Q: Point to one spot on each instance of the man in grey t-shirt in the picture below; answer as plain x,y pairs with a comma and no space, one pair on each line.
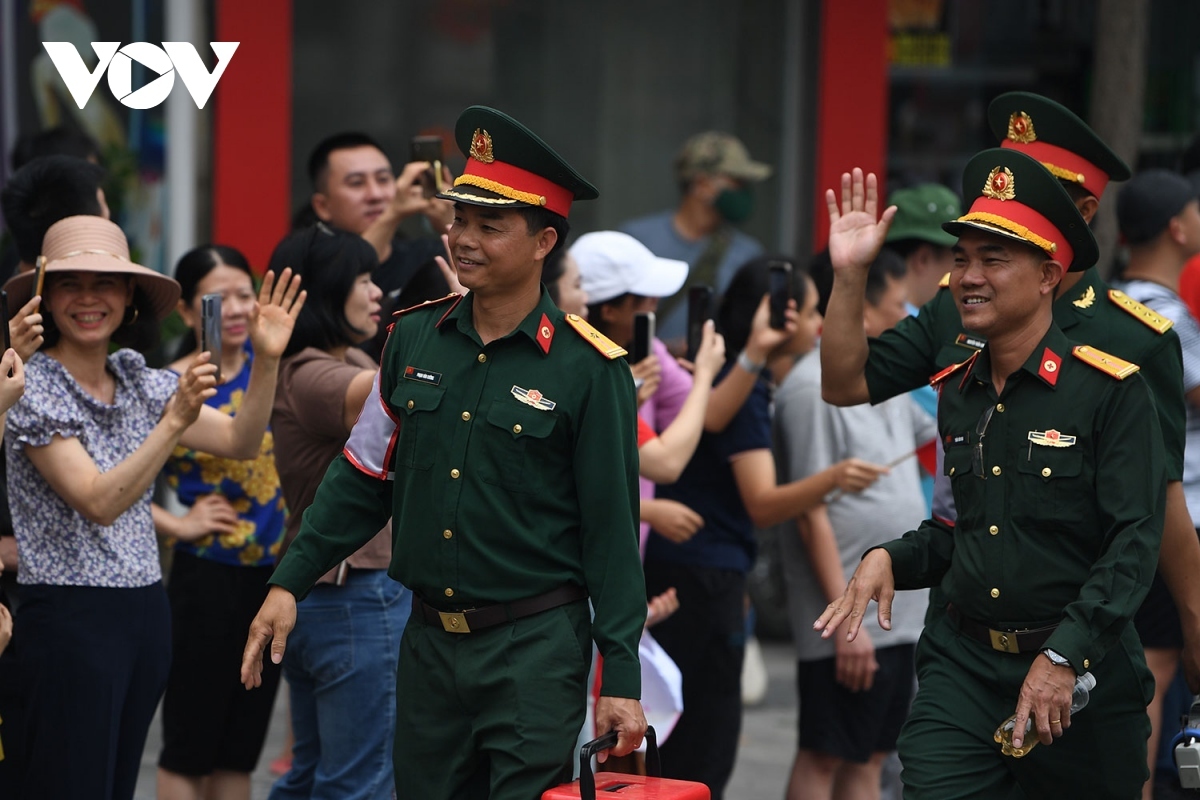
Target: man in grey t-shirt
854,696
715,175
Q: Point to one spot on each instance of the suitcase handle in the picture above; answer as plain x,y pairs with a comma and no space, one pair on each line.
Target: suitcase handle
587,781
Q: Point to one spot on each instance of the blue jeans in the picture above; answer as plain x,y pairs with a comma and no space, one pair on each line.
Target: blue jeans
340,667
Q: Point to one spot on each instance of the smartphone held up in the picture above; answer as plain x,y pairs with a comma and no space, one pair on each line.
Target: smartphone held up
210,328
643,336
429,148
779,288
700,300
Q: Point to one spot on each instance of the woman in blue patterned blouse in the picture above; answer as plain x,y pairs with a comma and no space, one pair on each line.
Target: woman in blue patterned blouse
225,549
85,444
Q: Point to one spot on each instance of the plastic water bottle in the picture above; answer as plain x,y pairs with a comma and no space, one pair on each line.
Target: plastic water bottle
1003,736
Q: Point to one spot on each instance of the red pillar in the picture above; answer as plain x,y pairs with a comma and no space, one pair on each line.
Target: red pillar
852,99
252,128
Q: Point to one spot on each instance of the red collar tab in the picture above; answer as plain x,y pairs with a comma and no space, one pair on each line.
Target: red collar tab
545,334
1051,364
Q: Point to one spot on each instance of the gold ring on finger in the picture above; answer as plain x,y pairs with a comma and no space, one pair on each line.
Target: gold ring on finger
1056,722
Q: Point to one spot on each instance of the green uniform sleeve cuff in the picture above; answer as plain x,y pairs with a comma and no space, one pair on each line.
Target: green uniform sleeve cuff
903,567
295,574
621,678
1075,646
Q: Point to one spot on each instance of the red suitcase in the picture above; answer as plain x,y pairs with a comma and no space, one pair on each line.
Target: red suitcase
629,787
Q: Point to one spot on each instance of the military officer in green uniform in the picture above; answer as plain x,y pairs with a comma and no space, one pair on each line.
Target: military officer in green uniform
1057,466
500,438
1086,309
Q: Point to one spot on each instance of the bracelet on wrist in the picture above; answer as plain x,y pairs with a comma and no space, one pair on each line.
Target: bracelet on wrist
752,367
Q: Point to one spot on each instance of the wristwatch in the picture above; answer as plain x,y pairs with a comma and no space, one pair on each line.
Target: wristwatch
745,363
1055,658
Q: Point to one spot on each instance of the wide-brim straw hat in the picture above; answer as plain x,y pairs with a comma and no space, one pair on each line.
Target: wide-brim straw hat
93,244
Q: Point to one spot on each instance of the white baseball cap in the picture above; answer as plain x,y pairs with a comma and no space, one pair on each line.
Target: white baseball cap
613,263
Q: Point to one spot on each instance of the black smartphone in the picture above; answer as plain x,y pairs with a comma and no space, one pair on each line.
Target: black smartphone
779,286
699,311
39,278
210,328
4,322
643,335
429,148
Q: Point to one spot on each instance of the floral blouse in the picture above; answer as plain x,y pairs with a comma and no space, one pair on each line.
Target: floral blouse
251,487
58,545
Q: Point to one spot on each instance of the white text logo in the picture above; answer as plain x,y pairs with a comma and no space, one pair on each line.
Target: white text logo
163,61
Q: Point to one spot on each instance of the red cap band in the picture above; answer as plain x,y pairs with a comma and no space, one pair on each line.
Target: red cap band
1063,163
518,182
1022,216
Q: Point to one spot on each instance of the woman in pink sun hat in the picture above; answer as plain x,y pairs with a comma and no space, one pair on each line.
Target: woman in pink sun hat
85,444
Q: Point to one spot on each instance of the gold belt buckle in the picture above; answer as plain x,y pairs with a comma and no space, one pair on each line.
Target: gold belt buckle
1004,641
454,622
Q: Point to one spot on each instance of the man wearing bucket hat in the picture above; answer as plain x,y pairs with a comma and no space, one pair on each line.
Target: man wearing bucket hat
916,236
1057,467
855,371
716,175
501,439
86,443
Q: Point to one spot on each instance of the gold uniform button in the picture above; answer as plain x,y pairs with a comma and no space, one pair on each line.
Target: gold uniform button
482,357
1045,472
993,530
410,405
952,470
517,428
995,593
1086,663
466,416
447,534
995,470
449,592
1000,407
454,473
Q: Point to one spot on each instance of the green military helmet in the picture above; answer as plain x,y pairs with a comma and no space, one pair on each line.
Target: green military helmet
509,166
1016,198
1055,136
920,212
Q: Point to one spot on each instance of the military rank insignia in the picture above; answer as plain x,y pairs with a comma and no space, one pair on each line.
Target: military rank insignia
532,397
1051,438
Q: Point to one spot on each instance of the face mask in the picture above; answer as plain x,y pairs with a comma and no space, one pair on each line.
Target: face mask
735,205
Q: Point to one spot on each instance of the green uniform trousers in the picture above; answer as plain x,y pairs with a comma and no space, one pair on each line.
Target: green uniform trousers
966,689
491,714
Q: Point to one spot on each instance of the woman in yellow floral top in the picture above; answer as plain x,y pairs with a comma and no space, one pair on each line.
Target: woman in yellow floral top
225,548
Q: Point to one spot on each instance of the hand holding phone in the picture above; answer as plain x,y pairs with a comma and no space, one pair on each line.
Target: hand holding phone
779,286
699,312
429,148
643,335
210,328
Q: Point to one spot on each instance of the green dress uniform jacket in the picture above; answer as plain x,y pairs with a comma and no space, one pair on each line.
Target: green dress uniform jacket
905,357
1060,485
514,471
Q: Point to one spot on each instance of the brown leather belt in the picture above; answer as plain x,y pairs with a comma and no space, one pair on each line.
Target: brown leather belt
471,620
1030,640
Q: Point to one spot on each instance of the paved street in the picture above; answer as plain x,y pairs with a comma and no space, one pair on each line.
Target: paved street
765,756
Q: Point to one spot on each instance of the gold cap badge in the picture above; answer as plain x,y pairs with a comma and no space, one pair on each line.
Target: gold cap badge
1000,184
481,147
1020,128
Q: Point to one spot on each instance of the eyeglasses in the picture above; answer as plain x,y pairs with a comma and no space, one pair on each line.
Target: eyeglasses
981,431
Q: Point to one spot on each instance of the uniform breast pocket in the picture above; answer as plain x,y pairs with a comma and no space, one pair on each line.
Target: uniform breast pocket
516,437
1050,487
417,403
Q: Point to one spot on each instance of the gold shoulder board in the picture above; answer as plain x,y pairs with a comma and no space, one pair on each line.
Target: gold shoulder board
950,370
1119,368
428,303
945,281
1144,314
595,338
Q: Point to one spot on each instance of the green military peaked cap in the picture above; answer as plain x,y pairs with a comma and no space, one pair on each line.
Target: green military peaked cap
509,166
1055,136
920,212
1015,197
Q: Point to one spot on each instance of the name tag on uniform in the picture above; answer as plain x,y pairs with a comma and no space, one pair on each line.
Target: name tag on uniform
422,375
1051,438
973,342
956,439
